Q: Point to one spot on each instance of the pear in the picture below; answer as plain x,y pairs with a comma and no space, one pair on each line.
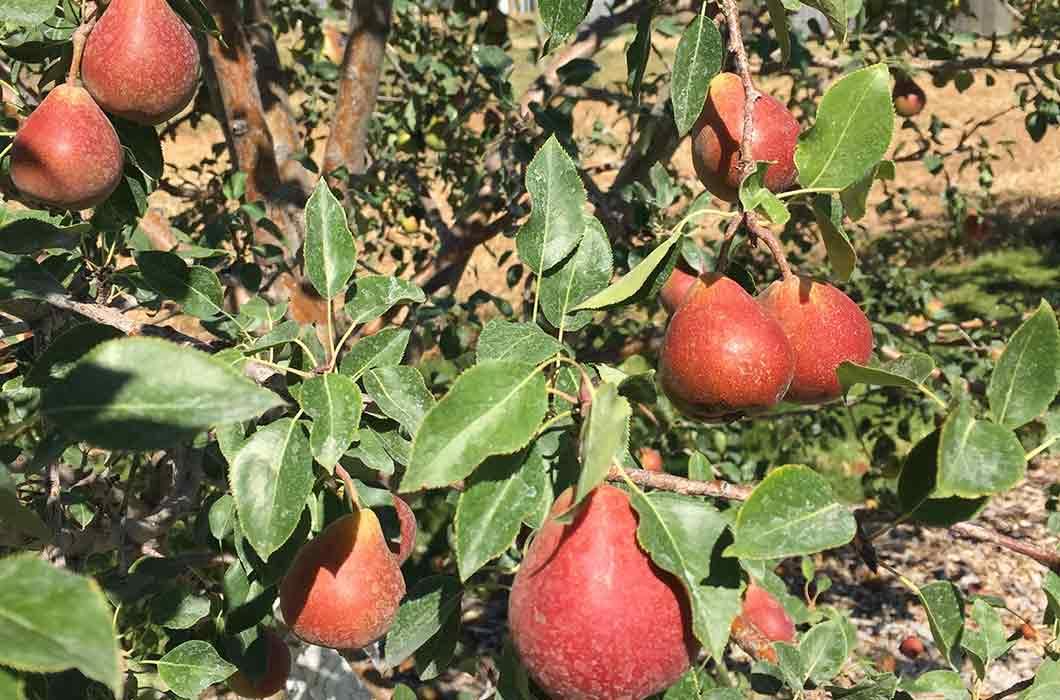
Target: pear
141,63
66,153
676,288
344,587
274,678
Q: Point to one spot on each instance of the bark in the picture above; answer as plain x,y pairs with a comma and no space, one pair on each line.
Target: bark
362,64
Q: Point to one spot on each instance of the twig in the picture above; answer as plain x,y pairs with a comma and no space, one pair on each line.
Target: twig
1017,688
182,497
731,230
677,484
732,19
1048,559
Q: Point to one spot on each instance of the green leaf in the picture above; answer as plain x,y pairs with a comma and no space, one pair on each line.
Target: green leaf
639,51
21,277
698,59
1046,682
334,402
945,610
791,512
384,349
1027,376
492,507
286,332
178,608
604,436
557,219
855,121
330,255
16,518
425,609
680,534
988,640
916,489
909,371
789,663
525,342
836,12
192,667
377,294
66,349
11,687
26,13
755,196
197,289
828,212
401,394
855,197
222,516
145,393
583,273
779,17
272,475
977,457
878,687
28,231
371,452
635,280
824,650
936,685
562,17
52,620
492,408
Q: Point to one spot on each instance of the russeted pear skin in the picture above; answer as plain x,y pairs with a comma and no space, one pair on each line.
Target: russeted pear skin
591,617
825,328
723,356
717,134
141,62
344,586
66,153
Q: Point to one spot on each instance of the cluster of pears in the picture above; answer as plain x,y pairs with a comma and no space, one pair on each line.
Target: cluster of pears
140,63
593,618
727,354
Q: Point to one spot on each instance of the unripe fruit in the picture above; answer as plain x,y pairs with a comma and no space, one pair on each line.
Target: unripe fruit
723,356
765,613
911,647
718,132
277,669
651,460
66,153
141,63
591,616
344,587
825,328
676,288
909,99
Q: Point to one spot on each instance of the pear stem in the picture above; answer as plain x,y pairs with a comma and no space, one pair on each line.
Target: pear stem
722,263
80,37
776,249
351,492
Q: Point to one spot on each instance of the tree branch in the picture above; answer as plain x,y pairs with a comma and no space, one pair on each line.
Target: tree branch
1048,559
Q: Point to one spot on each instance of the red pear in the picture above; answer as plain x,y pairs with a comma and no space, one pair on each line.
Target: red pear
911,647
66,153
825,328
277,669
344,587
408,530
141,63
718,132
909,98
591,616
723,356
651,460
676,288
765,613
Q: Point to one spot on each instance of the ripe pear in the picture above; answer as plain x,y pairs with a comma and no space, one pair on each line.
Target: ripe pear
66,153
591,616
909,99
676,288
717,134
141,63
825,328
277,669
651,460
344,587
765,613
723,356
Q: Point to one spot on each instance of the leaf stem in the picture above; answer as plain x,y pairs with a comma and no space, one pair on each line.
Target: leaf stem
1049,442
809,190
281,368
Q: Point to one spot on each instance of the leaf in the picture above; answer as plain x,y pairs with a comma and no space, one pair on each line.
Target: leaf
16,518
828,213
977,457
824,650
562,17
26,13
401,394
916,489
23,278
909,371
855,197
639,51
178,608
604,436
271,477
754,195
492,408
936,685
11,687
286,332
791,512
1027,376
192,667
222,517
197,289
836,12
377,294
492,507
1046,682
680,534
855,122
779,17
29,232
330,255
145,393
65,350
525,342
384,349
557,219
583,273
945,610
371,452
334,402
987,641
52,620
634,281
425,609
698,59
